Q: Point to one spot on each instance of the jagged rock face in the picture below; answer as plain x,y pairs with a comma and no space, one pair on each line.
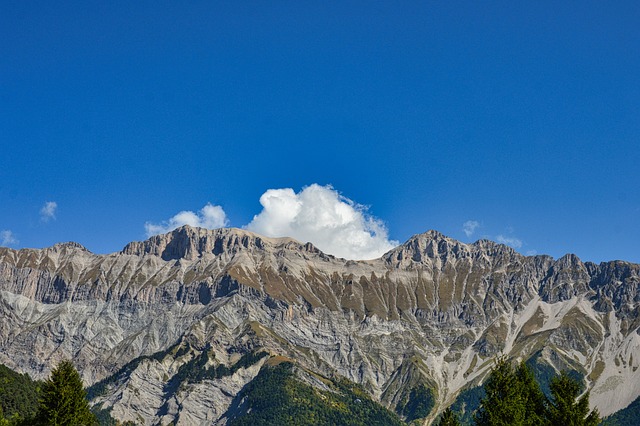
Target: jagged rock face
432,311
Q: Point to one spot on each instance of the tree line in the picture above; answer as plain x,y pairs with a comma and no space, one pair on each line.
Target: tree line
513,398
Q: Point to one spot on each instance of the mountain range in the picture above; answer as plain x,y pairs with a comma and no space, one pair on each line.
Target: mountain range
172,329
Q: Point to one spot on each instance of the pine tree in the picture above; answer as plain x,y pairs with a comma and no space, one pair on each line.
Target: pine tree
534,399
503,404
565,408
513,397
448,418
63,399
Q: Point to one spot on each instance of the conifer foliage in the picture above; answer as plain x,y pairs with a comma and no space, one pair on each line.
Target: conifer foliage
18,397
63,399
565,408
506,402
448,418
3,421
513,398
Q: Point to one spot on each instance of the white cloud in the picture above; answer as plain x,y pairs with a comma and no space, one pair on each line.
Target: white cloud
7,238
469,227
209,216
510,241
48,211
320,215
531,252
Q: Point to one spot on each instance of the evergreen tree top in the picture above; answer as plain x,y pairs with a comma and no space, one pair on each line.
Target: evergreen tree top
63,399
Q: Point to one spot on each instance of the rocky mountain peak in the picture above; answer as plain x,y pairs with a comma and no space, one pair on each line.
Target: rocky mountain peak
189,243
425,243
70,245
569,260
494,248
433,245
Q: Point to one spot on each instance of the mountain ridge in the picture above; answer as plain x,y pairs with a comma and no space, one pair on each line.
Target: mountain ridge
432,310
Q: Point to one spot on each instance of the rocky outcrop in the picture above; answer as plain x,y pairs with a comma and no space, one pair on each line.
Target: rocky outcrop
432,311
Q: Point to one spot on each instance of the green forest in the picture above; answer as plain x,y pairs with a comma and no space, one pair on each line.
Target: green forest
277,397
58,401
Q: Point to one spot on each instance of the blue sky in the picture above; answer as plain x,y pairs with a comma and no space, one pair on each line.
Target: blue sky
522,118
